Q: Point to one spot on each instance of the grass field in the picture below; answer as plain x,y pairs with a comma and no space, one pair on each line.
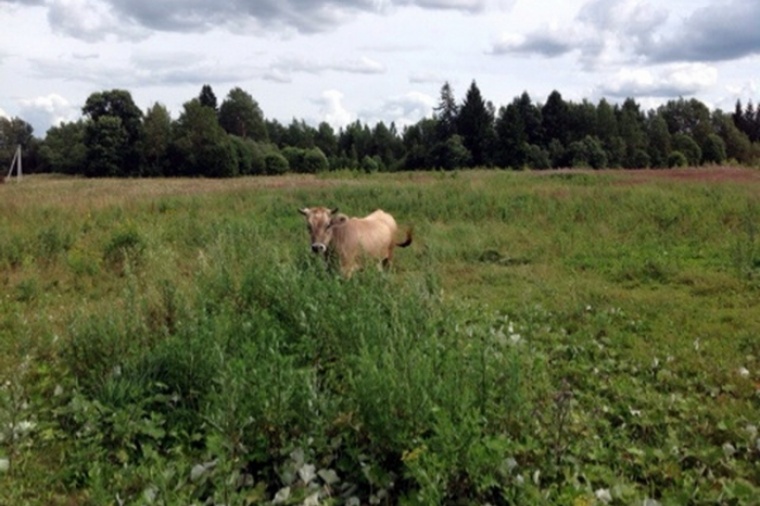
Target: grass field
563,337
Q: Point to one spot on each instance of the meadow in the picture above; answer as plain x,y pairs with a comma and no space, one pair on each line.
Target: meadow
562,337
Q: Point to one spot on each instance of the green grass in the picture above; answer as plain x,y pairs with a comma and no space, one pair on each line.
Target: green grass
549,338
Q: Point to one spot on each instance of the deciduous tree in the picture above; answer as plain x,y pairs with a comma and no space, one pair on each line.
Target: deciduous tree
118,104
200,147
157,129
241,115
63,150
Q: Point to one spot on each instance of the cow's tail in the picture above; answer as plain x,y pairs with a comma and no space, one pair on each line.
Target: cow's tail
407,241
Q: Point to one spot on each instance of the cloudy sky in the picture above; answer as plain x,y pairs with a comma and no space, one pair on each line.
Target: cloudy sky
372,60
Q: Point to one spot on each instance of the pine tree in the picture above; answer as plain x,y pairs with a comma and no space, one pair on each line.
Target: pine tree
207,97
446,114
475,125
555,118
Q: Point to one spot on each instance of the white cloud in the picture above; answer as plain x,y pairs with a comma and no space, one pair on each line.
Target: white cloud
42,112
362,65
422,77
388,58
403,110
333,111
670,81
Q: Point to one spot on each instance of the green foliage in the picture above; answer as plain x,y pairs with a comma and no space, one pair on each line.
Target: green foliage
370,165
241,115
677,159
450,154
107,142
207,97
475,125
14,133
157,127
200,146
113,134
64,150
687,146
473,133
714,150
275,163
125,247
588,153
315,161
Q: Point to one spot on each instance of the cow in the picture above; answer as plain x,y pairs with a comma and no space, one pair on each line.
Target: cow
335,235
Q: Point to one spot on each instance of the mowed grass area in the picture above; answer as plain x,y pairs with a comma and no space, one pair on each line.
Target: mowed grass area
564,337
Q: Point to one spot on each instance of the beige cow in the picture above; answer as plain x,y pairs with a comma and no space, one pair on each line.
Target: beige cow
351,239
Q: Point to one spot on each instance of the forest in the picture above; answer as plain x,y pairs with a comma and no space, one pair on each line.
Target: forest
114,138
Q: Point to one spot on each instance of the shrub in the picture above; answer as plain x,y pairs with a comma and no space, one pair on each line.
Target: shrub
275,164
315,161
369,164
689,147
677,159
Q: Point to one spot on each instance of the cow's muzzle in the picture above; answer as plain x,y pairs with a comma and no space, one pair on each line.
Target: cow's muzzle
318,247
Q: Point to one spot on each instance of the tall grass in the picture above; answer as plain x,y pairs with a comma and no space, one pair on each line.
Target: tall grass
546,340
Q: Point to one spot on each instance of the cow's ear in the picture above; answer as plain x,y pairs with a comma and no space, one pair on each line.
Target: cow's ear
304,211
334,211
339,220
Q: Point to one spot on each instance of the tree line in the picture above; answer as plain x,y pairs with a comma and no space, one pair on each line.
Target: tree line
114,138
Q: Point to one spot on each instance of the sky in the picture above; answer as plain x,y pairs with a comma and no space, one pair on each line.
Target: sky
372,60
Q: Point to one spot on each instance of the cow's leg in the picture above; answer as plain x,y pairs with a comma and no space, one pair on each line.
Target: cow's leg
347,265
386,263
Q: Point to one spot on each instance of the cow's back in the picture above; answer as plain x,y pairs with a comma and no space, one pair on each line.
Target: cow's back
383,217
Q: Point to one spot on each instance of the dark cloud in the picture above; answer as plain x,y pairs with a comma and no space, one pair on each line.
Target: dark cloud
543,43
24,2
187,67
94,20
638,31
172,69
201,15
631,17
472,6
720,32
310,66
91,21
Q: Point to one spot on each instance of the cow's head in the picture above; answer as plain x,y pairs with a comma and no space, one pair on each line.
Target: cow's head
319,221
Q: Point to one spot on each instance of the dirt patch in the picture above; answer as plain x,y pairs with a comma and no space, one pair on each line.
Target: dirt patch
708,174
725,174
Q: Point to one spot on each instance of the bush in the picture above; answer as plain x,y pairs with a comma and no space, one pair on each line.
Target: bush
688,147
275,164
244,151
369,164
714,149
315,161
677,159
